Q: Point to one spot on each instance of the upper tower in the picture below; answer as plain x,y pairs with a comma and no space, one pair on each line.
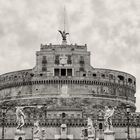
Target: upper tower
62,60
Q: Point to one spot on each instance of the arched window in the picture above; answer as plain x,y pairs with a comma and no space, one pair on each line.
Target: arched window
20,138
103,75
130,80
63,115
134,83
121,77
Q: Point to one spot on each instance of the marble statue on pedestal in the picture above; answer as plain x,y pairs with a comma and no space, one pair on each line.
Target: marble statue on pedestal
20,118
64,133
109,134
108,117
36,132
91,130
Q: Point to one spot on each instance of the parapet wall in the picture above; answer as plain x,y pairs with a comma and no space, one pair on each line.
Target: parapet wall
100,75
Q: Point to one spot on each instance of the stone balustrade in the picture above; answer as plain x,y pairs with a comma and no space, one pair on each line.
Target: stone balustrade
72,122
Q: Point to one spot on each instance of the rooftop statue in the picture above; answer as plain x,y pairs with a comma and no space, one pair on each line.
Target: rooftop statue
63,34
107,117
20,117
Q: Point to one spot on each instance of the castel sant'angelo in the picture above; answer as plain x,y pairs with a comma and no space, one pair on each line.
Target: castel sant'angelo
63,88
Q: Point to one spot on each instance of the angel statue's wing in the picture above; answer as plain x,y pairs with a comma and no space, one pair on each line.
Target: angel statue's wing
112,112
60,32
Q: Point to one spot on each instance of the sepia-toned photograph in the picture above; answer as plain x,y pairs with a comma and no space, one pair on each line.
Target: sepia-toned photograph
69,69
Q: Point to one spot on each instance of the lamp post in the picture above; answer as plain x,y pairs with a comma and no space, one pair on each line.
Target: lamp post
4,109
128,113
96,129
32,133
135,124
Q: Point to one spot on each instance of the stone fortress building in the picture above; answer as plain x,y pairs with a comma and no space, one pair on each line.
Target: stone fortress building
63,88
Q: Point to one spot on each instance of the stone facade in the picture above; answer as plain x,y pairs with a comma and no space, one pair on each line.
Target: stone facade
67,88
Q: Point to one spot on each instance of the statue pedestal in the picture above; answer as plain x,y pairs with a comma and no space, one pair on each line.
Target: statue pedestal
36,138
109,135
19,135
63,133
90,138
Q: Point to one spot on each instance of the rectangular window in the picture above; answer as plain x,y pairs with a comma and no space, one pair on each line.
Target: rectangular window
81,60
44,57
69,59
63,72
81,69
69,72
56,72
44,60
44,69
57,59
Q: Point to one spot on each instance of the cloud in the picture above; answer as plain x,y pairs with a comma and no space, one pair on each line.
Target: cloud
110,28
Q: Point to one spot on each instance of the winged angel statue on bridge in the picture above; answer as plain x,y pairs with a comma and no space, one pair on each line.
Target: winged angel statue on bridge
20,117
108,113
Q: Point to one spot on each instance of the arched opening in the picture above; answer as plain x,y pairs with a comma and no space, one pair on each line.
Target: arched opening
103,75
94,74
121,77
20,138
63,115
130,80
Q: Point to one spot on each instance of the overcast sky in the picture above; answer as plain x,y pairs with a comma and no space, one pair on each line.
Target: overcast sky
110,28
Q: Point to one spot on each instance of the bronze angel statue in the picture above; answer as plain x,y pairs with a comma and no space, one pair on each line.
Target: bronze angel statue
63,34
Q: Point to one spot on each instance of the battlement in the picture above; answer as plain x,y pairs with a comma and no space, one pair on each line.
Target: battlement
66,46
